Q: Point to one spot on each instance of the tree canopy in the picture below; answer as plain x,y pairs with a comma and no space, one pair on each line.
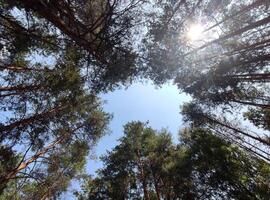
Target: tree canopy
58,56
148,165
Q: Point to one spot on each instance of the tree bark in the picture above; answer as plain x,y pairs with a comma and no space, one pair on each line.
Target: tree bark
157,188
237,130
251,77
142,176
232,34
72,28
23,165
4,180
31,119
23,69
251,103
19,88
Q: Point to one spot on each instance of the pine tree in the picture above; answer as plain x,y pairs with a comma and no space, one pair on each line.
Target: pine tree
147,165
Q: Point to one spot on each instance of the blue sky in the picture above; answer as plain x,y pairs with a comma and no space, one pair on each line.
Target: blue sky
144,102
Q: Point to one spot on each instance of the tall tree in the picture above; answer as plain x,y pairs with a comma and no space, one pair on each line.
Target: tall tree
225,69
84,124
99,30
201,166
49,78
199,116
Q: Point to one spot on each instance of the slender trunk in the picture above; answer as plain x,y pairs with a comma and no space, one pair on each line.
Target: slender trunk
237,130
265,57
68,24
23,165
246,8
49,191
12,174
19,88
251,103
265,154
71,27
23,69
45,196
157,188
9,94
20,30
31,119
142,177
145,190
232,34
254,46
266,158
251,77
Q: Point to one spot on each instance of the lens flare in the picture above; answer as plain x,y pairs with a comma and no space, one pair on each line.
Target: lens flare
195,32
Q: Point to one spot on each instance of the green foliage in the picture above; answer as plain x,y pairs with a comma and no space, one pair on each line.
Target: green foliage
8,161
259,117
147,165
57,56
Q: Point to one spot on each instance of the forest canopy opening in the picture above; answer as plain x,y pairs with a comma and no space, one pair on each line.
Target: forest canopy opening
58,57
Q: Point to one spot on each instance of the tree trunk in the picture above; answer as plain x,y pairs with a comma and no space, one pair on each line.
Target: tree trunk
20,30
157,189
4,180
71,27
9,94
45,196
30,120
252,77
246,8
251,103
19,88
237,130
23,69
241,144
232,34
142,176
25,164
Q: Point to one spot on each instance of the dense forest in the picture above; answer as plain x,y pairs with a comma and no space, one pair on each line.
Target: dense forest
58,56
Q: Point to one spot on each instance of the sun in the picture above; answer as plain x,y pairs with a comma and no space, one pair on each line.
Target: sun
195,32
